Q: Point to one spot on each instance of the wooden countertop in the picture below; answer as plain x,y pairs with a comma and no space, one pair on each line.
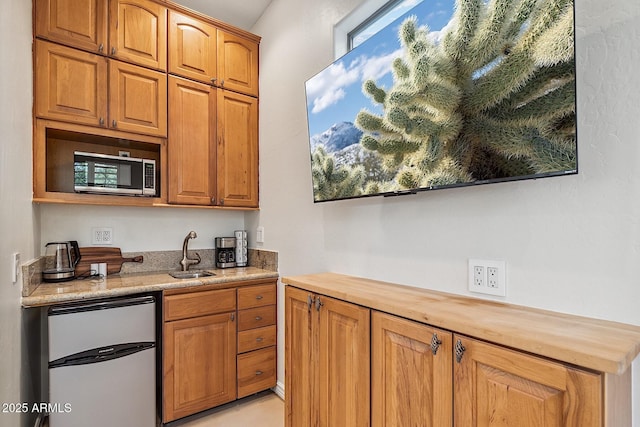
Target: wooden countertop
127,284
599,345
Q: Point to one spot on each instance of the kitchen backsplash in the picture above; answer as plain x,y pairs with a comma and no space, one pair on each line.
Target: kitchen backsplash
154,261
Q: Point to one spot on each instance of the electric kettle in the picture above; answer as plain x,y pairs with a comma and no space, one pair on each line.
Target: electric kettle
60,260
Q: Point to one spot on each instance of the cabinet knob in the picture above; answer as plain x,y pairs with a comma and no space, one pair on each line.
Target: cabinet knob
258,318
101,121
213,200
101,47
221,202
221,83
233,317
259,339
459,349
309,302
319,304
113,50
435,344
114,124
213,81
259,297
259,372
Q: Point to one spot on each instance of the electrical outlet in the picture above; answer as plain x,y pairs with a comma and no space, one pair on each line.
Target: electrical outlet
102,236
487,277
478,275
492,277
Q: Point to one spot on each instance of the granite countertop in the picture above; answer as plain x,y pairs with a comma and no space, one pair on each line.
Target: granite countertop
126,284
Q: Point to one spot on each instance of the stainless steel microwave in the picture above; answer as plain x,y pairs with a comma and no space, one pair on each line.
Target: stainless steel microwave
106,174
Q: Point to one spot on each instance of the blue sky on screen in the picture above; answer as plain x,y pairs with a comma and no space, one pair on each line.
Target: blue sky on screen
335,94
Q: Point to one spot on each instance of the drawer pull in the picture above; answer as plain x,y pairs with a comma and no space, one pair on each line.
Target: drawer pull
258,318
258,297
259,339
259,373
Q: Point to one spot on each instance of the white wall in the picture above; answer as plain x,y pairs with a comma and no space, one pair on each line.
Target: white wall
17,217
571,244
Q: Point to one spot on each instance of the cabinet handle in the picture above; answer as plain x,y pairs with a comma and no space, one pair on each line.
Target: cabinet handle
259,372
101,121
259,339
114,124
459,350
233,317
309,302
259,297
435,344
101,47
258,318
113,50
318,304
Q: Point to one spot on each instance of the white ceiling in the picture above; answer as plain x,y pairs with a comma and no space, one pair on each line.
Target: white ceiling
239,13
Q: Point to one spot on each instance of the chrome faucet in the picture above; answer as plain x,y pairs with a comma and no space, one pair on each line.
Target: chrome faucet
186,261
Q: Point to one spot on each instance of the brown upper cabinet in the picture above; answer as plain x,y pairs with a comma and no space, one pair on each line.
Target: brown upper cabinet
237,153
192,142
192,48
200,51
80,87
64,21
130,30
138,32
134,69
237,63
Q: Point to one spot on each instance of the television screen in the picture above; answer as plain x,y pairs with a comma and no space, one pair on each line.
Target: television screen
452,93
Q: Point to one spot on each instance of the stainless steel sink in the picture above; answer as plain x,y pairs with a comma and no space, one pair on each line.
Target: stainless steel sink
193,274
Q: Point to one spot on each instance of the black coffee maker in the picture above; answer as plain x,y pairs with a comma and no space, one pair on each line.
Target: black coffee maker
225,252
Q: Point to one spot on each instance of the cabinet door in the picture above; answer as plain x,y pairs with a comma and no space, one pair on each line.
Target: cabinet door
81,24
71,85
344,370
199,364
237,63
138,32
192,149
192,48
137,99
300,360
495,386
411,386
237,150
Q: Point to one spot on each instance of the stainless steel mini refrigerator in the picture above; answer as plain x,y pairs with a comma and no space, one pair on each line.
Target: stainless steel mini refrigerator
102,363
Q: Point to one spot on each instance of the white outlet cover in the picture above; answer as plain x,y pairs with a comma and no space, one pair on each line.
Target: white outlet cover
501,288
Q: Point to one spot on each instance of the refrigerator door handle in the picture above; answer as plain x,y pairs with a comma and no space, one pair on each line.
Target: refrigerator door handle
101,354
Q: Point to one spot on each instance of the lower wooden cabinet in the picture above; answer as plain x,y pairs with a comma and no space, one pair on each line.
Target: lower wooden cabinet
426,376
256,339
209,357
199,348
327,361
498,386
411,381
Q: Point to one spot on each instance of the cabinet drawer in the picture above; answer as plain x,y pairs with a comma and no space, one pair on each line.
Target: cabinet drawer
256,338
256,371
256,296
199,304
256,317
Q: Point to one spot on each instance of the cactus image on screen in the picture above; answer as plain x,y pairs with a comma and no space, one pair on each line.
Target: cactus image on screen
489,96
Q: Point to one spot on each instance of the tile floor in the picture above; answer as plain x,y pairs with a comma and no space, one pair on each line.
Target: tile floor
262,410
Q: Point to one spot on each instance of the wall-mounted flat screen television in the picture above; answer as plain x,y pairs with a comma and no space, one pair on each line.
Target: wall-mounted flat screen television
453,93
